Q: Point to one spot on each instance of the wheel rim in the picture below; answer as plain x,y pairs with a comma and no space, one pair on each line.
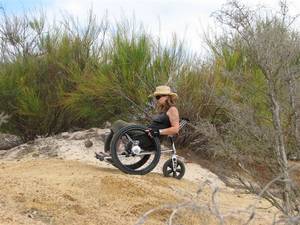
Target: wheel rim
142,163
175,173
169,172
127,158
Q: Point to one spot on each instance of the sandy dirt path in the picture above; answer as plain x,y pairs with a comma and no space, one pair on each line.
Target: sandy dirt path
57,180
52,191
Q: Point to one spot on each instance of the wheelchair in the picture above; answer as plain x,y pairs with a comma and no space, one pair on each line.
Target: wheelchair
133,152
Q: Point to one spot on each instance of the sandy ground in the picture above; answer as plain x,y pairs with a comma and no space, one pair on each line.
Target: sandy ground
57,180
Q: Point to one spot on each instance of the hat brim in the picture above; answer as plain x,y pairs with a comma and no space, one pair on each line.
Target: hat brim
174,95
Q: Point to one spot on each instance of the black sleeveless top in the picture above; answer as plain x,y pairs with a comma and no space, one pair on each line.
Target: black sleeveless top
160,121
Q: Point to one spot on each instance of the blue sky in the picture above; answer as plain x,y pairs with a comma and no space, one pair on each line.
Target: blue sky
187,18
19,5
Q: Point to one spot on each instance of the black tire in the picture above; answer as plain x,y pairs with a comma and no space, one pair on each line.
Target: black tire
136,167
169,172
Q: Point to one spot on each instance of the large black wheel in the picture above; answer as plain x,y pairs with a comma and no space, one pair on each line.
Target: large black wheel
133,151
169,171
133,165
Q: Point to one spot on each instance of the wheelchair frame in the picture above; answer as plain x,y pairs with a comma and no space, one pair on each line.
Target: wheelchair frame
183,122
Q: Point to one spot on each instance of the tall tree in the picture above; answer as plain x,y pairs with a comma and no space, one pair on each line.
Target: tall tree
273,47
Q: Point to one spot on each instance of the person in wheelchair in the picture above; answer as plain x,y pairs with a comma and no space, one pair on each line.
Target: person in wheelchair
165,122
135,149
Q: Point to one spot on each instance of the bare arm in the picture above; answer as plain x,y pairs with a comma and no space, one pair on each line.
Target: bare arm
173,115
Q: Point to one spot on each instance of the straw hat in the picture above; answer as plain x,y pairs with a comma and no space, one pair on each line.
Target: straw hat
164,90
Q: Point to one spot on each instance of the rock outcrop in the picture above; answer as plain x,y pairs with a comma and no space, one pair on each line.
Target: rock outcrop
8,141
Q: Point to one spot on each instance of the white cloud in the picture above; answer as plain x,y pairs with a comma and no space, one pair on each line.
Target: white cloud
186,18
160,17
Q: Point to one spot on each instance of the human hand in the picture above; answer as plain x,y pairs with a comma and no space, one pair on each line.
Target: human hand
153,132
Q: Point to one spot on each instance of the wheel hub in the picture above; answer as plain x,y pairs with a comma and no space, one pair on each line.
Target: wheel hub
136,149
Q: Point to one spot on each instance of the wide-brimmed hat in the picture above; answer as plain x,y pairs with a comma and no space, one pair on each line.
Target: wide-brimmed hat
164,90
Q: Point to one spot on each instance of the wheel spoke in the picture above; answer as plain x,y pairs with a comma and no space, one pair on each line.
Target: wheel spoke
147,153
169,171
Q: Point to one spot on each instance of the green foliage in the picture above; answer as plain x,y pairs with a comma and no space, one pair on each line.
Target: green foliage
71,79
83,75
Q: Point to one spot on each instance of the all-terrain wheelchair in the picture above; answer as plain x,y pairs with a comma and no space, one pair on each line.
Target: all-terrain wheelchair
132,151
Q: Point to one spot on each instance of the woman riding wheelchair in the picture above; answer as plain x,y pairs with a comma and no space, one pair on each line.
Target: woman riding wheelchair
135,149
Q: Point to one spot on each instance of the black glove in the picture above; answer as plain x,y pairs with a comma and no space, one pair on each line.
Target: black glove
152,132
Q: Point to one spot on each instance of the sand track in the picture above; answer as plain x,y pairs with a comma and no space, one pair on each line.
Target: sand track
57,181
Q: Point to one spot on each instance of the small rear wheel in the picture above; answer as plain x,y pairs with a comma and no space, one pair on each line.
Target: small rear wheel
168,169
